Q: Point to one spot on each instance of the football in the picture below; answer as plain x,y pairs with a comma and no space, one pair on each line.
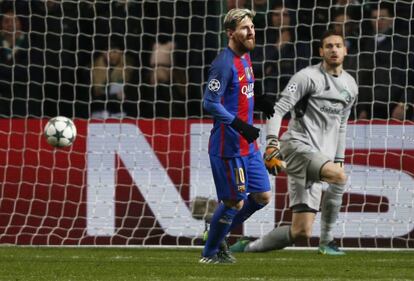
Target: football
60,131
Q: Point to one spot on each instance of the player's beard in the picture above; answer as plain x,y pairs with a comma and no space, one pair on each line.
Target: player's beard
334,63
247,45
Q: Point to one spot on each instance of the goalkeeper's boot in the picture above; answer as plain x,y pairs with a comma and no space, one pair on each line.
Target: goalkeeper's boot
223,252
240,245
330,249
216,259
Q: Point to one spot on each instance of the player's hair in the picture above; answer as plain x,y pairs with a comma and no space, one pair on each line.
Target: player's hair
234,16
328,33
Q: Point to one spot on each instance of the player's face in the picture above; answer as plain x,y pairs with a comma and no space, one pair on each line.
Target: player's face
333,51
244,36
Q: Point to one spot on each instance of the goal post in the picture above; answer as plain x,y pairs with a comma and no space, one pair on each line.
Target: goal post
131,74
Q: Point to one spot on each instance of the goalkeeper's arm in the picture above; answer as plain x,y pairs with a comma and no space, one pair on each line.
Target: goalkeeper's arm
298,87
272,157
340,149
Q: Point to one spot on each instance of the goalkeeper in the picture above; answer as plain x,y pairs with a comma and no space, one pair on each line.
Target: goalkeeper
320,98
241,180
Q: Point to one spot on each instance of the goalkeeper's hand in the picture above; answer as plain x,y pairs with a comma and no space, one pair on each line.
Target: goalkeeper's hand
249,132
272,158
265,104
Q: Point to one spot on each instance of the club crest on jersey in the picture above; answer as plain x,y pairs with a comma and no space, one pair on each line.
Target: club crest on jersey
214,85
292,88
248,90
249,72
346,95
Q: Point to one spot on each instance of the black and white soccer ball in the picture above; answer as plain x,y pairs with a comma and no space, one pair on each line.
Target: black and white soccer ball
60,131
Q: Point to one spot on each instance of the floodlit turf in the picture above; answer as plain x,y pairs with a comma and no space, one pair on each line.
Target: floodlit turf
17,263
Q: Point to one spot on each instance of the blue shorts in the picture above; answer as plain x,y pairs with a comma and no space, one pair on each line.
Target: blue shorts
238,176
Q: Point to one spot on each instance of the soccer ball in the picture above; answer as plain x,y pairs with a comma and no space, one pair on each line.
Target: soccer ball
60,131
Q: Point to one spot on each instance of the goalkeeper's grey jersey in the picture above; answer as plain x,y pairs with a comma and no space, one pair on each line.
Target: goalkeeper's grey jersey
320,104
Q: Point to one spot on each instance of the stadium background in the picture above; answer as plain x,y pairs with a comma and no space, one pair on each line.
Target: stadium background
131,181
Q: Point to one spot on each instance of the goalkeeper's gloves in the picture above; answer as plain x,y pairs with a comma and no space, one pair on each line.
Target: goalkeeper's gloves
249,132
272,158
265,104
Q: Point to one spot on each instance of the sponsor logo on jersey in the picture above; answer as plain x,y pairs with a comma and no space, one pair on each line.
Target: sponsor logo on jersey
241,78
249,72
248,90
330,110
292,88
214,85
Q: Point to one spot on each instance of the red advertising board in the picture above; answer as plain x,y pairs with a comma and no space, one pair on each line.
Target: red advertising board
44,191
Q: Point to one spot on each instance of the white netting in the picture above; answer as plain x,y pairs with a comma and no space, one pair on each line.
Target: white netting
140,158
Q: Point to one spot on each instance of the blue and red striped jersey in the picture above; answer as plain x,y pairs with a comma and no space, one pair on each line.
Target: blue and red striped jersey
230,93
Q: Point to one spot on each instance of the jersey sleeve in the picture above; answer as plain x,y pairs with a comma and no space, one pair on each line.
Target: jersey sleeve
299,85
340,149
219,79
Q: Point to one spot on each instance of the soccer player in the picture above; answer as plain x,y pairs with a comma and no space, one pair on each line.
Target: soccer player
240,177
320,98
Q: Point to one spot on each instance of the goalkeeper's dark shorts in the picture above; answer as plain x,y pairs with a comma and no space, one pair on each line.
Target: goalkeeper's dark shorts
304,165
236,177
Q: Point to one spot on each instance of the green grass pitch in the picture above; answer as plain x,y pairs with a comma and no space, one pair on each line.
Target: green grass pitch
31,263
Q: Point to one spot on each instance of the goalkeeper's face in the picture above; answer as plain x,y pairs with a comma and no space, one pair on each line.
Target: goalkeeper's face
243,36
333,50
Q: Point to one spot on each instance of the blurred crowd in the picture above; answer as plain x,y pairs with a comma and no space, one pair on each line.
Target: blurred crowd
147,59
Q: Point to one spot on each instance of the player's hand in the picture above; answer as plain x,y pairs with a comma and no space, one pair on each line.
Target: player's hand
272,158
249,132
265,104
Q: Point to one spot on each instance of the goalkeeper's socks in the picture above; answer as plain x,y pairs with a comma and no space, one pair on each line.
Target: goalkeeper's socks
249,208
331,205
219,227
276,239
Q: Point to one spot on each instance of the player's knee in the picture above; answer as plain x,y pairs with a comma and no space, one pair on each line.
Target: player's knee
341,178
305,233
301,232
234,204
302,224
332,173
263,198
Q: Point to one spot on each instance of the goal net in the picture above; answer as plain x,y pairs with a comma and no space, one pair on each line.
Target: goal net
131,75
